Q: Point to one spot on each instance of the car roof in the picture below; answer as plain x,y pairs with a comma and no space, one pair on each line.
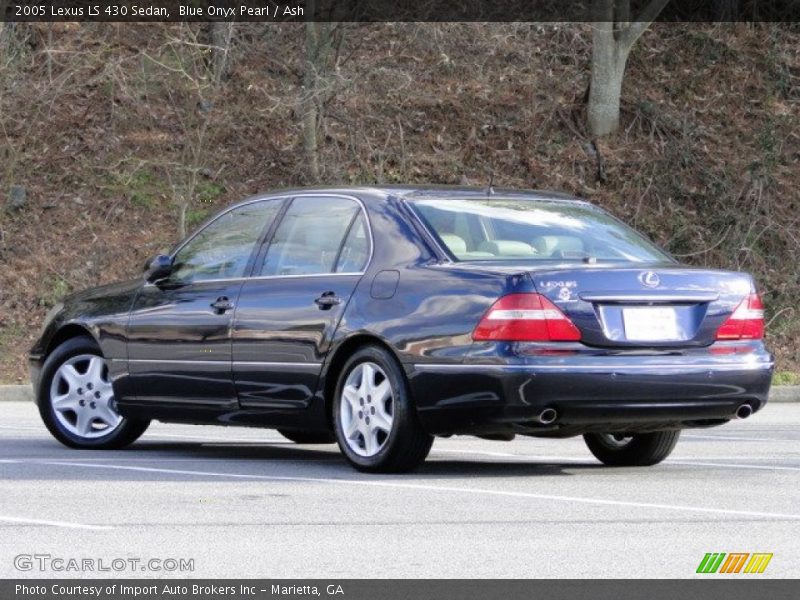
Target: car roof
413,192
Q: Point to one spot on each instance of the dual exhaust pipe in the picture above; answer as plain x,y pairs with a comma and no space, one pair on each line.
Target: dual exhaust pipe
549,415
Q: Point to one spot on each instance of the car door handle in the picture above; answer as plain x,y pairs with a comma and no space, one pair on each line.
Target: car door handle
222,304
328,300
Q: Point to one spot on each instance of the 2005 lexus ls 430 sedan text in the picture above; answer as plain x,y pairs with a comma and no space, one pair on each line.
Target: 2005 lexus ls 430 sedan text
379,318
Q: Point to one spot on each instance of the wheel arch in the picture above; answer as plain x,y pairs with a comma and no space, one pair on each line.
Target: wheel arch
67,332
335,364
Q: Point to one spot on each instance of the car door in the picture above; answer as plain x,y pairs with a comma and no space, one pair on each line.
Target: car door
289,310
179,344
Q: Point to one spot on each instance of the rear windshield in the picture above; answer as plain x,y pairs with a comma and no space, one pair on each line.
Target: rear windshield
498,230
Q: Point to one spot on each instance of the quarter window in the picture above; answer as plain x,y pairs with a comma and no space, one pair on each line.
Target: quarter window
222,250
309,239
355,251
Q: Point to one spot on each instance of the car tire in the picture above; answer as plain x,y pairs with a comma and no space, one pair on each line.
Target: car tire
375,422
76,399
638,450
308,437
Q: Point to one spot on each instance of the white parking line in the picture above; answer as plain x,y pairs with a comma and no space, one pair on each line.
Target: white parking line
66,524
736,438
732,466
437,488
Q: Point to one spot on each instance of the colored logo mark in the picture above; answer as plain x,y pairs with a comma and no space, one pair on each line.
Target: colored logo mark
735,562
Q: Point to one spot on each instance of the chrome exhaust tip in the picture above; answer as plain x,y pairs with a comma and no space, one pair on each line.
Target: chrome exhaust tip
548,416
744,411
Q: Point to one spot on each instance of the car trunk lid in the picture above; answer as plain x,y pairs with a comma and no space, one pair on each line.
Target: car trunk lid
644,307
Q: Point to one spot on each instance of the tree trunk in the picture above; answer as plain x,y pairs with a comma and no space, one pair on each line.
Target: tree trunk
608,69
183,208
221,35
310,137
308,104
321,40
612,39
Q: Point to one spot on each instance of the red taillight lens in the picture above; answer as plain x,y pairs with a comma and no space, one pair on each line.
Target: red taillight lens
746,322
525,318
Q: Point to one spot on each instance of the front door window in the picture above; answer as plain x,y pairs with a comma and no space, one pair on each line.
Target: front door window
224,248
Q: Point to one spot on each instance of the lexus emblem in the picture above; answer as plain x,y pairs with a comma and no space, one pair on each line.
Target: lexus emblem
649,279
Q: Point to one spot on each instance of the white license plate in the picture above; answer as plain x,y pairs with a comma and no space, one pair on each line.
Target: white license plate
649,324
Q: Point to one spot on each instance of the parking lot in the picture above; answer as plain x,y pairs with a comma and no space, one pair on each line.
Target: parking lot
247,503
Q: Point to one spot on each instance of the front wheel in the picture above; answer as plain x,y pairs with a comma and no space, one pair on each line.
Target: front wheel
638,450
375,423
76,399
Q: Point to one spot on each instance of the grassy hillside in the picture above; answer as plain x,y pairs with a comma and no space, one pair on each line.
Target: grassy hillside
110,127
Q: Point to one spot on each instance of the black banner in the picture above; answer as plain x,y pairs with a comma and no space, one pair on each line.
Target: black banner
401,10
388,589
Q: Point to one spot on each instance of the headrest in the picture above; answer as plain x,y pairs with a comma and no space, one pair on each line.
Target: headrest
549,244
456,244
506,248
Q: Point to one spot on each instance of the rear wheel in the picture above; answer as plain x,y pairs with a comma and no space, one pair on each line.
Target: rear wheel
638,450
308,437
76,399
375,423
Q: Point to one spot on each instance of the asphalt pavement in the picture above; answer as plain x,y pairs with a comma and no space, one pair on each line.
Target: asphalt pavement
248,503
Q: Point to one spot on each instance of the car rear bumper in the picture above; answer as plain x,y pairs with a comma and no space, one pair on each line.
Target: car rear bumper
589,393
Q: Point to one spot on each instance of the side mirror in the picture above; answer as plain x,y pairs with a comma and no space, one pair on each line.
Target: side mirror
158,268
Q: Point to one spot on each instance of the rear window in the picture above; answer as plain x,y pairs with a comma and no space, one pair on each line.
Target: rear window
499,230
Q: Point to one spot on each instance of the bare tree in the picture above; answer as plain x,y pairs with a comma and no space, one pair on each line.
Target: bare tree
194,102
322,42
221,36
613,37
318,44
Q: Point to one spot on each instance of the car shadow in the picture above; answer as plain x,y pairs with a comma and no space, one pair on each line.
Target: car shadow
26,459
495,468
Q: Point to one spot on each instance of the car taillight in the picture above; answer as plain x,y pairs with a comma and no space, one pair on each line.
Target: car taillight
746,322
525,318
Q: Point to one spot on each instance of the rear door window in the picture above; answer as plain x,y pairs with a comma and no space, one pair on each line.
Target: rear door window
309,239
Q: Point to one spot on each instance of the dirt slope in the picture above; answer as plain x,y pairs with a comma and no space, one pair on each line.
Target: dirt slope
109,127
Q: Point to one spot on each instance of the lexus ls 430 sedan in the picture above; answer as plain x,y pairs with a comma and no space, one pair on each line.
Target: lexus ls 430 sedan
378,318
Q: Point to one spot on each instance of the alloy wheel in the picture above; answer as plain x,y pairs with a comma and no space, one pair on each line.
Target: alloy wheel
367,409
82,397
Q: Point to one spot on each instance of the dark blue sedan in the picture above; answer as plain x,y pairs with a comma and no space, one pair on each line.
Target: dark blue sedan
379,318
